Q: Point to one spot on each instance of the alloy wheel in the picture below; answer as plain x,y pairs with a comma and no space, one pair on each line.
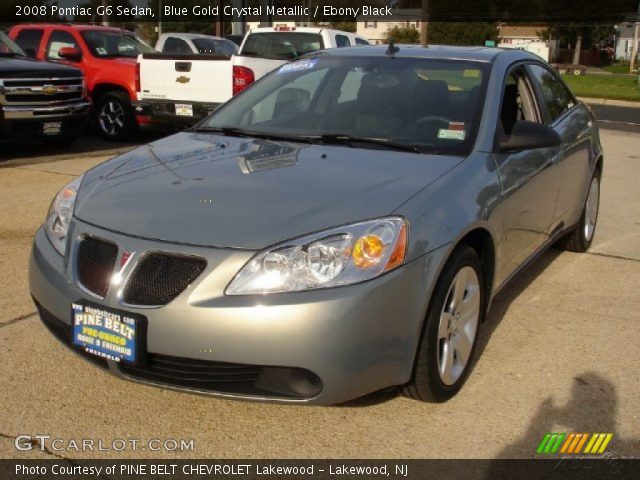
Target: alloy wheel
458,325
591,209
112,117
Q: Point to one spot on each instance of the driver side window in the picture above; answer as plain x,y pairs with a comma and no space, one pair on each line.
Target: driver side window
517,102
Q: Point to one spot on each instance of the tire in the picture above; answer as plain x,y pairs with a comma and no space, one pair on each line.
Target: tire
114,116
446,332
579,239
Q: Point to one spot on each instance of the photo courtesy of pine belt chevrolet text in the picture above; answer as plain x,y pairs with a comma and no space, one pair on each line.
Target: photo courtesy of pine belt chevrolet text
339,227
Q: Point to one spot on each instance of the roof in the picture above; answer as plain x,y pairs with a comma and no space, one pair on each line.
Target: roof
302,30
190,36
477,54
521,31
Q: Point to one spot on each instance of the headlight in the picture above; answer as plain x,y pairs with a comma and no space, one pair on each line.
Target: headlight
339,256
60,212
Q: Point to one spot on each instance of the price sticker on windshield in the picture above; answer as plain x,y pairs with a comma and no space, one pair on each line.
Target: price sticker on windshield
299,66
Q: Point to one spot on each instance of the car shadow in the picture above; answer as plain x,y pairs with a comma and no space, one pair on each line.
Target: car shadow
499,309
88,144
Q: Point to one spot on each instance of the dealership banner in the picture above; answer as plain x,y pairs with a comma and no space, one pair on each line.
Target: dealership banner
558,468
119,11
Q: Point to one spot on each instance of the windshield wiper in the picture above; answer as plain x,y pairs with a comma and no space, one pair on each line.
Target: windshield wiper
239,132
349,140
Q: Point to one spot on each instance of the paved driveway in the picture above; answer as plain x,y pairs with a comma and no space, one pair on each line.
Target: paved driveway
559,353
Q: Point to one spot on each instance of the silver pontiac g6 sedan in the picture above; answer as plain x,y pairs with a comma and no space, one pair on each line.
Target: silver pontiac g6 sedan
338,228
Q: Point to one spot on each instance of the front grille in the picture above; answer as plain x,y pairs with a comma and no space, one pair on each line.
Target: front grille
161,277
41,91
95,261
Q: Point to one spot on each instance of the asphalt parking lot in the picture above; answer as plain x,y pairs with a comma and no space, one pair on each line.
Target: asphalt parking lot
559,353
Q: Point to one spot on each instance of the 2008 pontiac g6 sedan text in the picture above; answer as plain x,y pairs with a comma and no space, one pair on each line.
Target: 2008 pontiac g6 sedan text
340,227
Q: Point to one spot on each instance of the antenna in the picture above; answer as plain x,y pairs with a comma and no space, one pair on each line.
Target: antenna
392,50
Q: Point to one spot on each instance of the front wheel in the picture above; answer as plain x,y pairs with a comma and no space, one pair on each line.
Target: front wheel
114,116
580,238
450,334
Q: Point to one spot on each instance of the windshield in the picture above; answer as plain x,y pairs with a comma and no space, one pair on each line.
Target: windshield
9,47
430,105
114,44
215,47
281,45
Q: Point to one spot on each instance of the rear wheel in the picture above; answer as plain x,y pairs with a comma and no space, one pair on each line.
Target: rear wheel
450,334
580,238
114,116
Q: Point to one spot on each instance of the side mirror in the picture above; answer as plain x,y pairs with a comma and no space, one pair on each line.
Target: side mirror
528,135
70,53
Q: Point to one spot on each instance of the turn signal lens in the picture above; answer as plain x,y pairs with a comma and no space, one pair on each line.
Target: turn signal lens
397,256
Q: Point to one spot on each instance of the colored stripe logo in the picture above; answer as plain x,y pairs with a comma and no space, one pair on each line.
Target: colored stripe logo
574,443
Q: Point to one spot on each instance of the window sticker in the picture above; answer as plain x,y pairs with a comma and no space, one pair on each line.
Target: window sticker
101,51
297,66
448,134
456,125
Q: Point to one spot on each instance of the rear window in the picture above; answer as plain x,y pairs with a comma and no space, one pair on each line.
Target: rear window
209,46
281,45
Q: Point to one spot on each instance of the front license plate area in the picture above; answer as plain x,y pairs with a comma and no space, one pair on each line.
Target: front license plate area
51,129
107,333
184,110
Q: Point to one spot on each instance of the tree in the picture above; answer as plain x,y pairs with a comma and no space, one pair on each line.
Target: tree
403,35
578,36
462,33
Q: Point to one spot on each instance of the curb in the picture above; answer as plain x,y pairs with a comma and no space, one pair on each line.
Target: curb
608,101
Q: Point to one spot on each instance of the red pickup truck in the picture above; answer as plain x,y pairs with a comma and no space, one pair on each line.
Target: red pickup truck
106,55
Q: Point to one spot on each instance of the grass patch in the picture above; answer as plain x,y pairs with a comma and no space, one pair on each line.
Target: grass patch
616,87
618,68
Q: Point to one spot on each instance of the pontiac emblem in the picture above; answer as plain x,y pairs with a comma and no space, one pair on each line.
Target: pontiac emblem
183,79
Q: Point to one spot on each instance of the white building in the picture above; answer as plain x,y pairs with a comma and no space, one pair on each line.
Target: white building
624,41
376,28
527,37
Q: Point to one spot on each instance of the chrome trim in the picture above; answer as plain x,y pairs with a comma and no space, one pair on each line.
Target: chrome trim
24,112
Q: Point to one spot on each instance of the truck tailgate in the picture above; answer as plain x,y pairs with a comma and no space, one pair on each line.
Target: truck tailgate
192,78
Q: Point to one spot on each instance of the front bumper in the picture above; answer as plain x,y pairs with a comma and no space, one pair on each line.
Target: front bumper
18,122
355,339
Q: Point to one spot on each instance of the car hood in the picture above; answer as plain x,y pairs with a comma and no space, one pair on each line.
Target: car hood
24,67
205,189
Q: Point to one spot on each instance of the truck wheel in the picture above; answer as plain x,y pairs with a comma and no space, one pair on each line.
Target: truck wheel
114,116
450,335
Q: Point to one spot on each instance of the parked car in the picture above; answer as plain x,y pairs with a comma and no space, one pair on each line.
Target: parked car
38,99
340,227
195,43
181,89
107,56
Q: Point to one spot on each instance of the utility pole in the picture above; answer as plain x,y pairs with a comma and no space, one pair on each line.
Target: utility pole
424,23
634,47
159,18
105,17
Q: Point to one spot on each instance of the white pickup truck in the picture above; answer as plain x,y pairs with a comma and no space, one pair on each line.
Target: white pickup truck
180,90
